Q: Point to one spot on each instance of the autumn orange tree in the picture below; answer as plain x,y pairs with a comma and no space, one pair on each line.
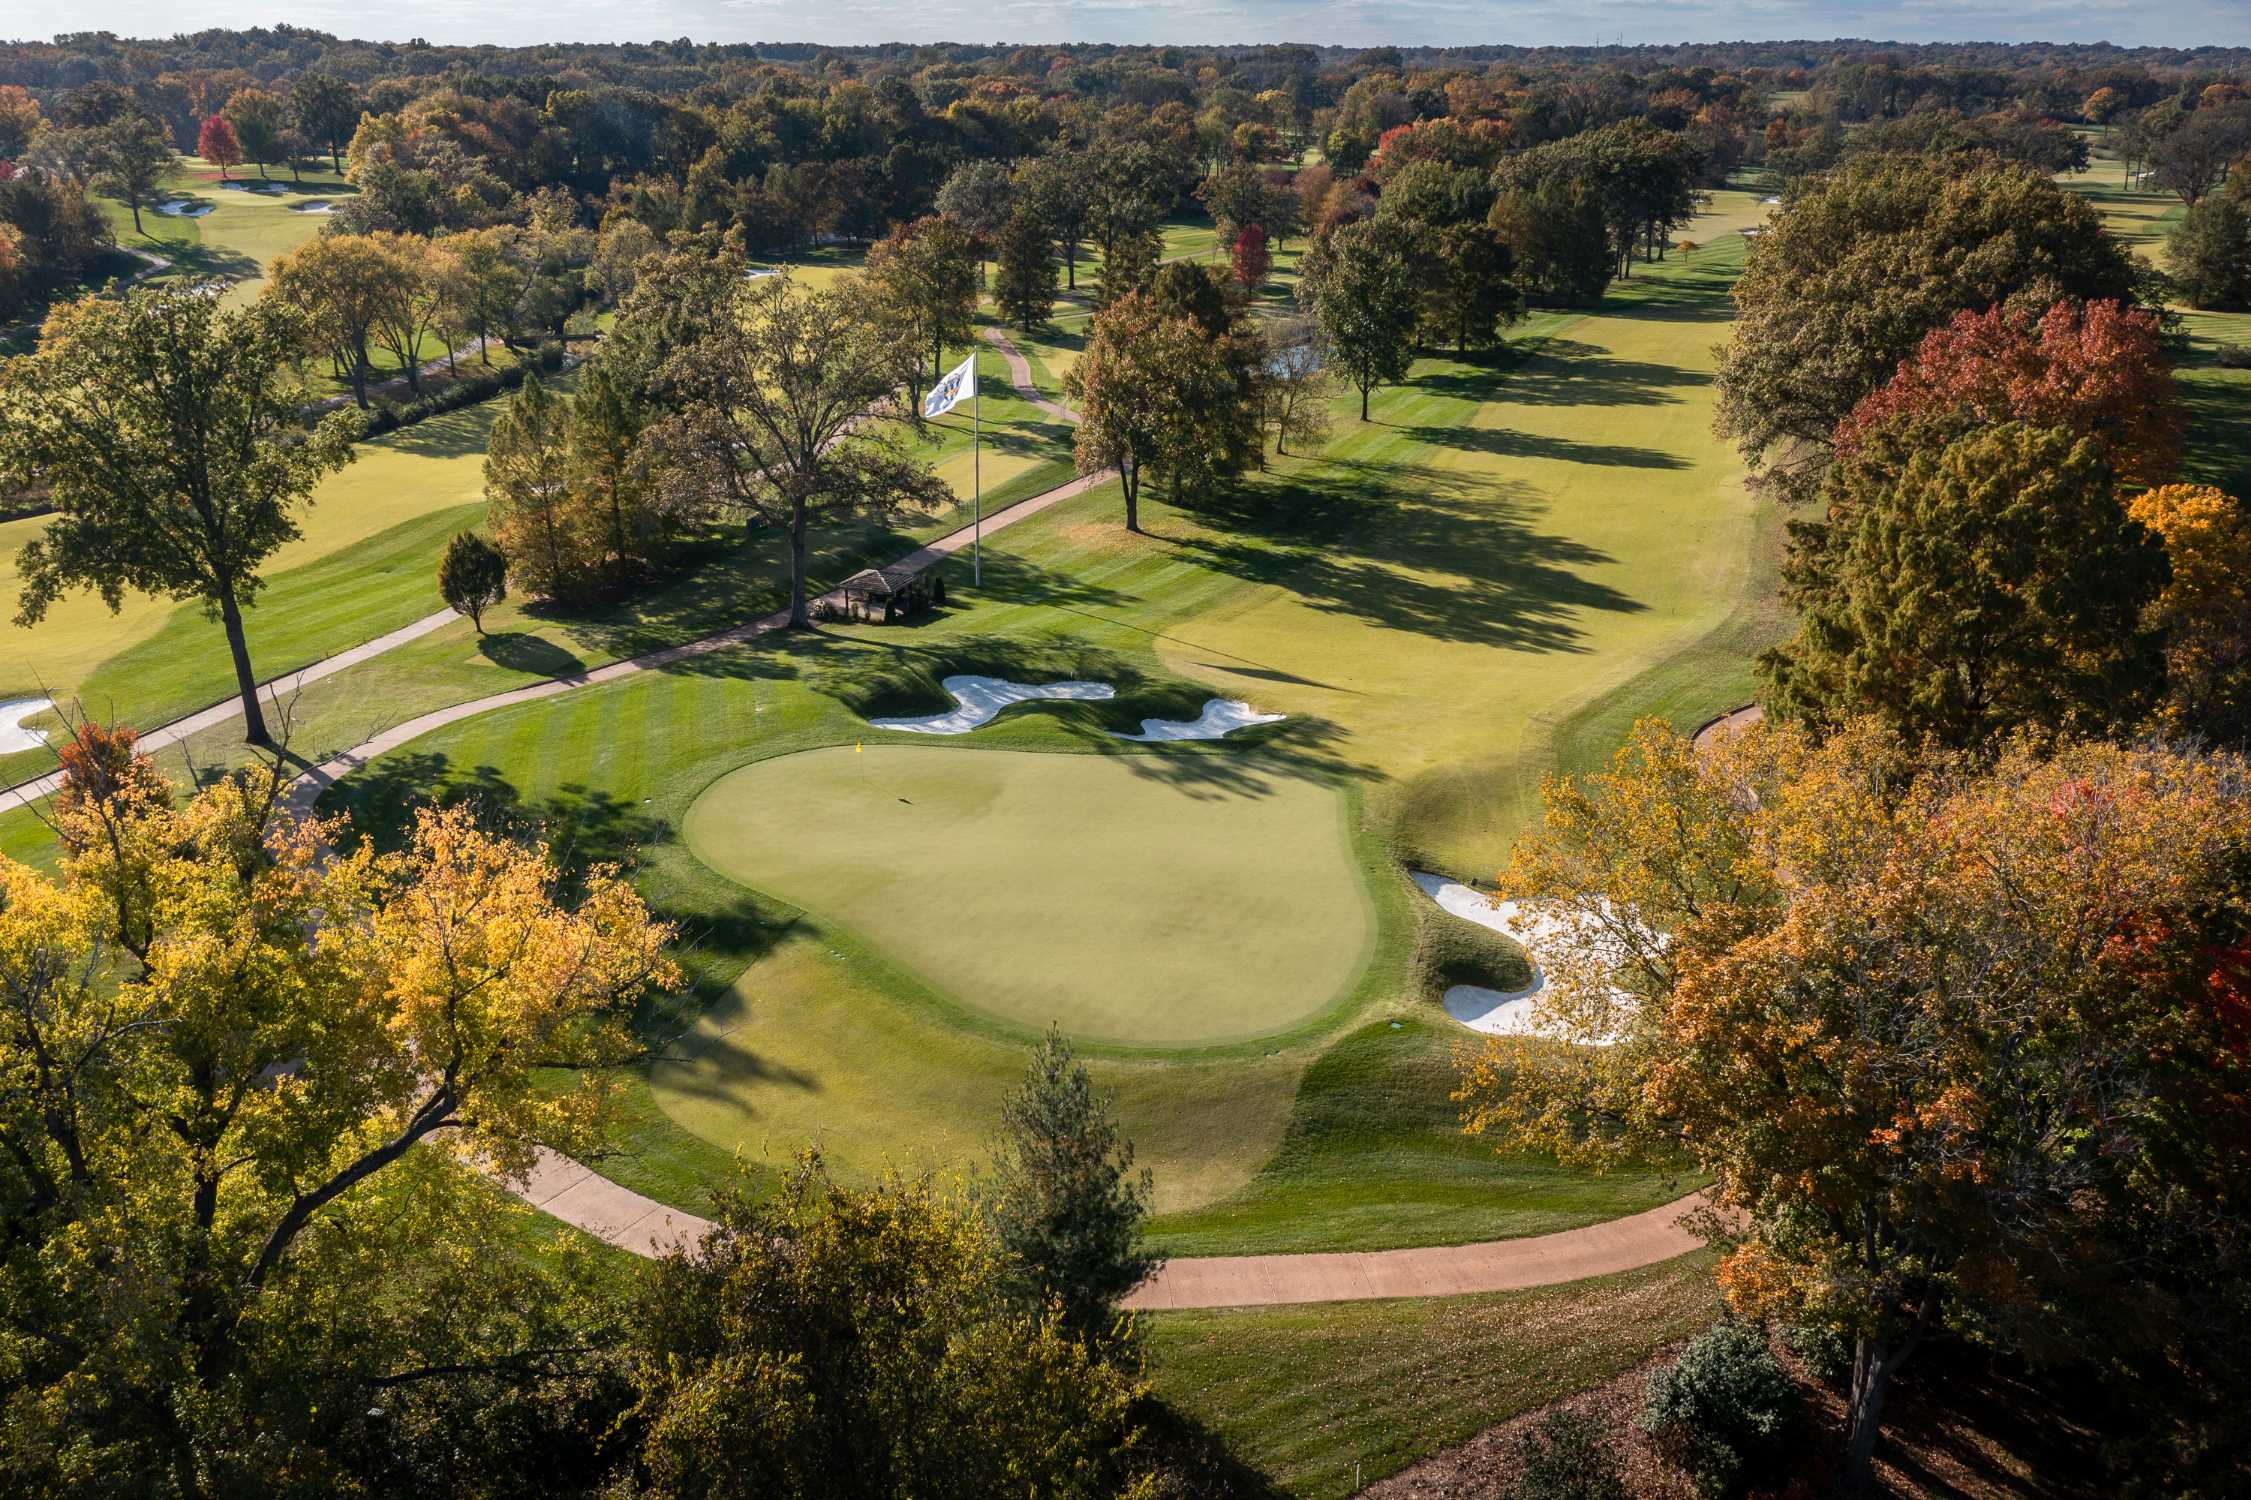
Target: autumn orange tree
1962,1046
253,1093
2094,369
2205,610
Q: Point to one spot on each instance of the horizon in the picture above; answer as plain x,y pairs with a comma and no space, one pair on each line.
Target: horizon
2188,25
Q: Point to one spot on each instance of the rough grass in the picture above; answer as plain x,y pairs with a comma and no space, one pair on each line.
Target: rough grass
1324,1398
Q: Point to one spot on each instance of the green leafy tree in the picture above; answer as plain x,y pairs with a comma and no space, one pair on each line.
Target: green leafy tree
326,110
1473,295
924,276
1367,302
258,118
1557,237
345,287
829,1344
550,539
472,576
609,472
1066,1203
2208,254
1964,585
1024,279
1865,261
776,399
129,159
1143,384
167,431
1055,190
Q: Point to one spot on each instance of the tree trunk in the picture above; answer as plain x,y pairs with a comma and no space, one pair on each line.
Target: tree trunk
1364,403
359,375
1872,1367
246,682
800,617
1071,264
137,229
1130,477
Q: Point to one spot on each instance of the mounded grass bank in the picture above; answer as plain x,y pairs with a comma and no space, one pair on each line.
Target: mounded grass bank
1323,1398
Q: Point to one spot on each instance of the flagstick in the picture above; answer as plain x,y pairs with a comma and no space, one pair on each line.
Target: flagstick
977,477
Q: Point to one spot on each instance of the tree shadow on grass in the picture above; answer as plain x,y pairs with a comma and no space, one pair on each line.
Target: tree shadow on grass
583,826
1568,372
1409,548
532,654
1507,442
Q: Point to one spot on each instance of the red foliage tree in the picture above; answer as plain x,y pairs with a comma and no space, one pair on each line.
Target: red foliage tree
1251,258
216,144
2094,369
106,776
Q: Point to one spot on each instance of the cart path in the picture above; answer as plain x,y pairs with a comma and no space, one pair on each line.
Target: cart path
583,1198
1020,377
24,793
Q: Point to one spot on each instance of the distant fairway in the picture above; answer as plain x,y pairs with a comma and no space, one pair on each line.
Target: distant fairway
1075,889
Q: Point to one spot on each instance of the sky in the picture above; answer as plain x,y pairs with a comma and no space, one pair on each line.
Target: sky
1354,23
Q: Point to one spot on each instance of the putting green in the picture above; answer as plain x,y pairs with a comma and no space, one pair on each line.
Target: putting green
1085,890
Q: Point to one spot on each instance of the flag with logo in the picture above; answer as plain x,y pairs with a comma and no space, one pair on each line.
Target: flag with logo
958,385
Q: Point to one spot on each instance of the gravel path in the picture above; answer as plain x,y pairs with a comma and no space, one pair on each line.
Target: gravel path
1020,376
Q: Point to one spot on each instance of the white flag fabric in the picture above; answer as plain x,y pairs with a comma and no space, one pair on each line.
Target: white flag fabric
959,385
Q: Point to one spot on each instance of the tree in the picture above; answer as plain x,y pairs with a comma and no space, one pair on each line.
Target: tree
1944,1034
1558,240
259,119
1024,280
1366,301
327,109
483,283
130,158
1065,1202
776,406
1143,383
537,523
857,1344
1053,189
285,1075
1249,259
1964,587
2195,158
346,287
1129,264
1295,395
105,777
215,142
2205,609
472,576
924,276
410,298
20,122
166,430
1864,262
608,469
2209,252
1473,293
2097,370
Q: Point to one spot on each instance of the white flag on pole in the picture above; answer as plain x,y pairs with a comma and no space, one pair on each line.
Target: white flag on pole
958,385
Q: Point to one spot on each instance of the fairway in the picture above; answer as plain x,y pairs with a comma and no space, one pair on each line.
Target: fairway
1074,889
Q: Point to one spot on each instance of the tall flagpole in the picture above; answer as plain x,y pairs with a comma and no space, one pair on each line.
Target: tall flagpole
977,475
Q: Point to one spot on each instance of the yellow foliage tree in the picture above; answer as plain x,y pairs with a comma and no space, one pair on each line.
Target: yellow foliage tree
2205,609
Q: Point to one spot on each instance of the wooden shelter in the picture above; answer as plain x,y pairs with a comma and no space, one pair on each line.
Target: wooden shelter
884,594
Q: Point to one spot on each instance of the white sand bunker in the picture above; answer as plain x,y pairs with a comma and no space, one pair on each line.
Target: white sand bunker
317,206
181,208
13,736
1504,1012
981,698
1220,718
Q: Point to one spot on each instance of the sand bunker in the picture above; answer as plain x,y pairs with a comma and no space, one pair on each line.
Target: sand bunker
1503,1012
181,208
1220,718
13,736
317,206
981,698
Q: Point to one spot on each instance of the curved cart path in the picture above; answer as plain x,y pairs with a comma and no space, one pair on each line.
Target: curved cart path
1020,377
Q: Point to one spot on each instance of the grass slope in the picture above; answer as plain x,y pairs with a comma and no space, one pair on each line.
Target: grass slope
1324,1398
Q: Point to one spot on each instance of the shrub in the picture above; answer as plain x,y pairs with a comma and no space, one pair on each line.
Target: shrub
1687,245
1565,1458
1824,1349
2235,356
1723,1411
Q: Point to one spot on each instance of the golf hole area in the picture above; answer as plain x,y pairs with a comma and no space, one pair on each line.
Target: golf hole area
1111,895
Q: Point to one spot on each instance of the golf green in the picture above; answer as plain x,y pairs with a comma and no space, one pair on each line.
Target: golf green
1090,891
